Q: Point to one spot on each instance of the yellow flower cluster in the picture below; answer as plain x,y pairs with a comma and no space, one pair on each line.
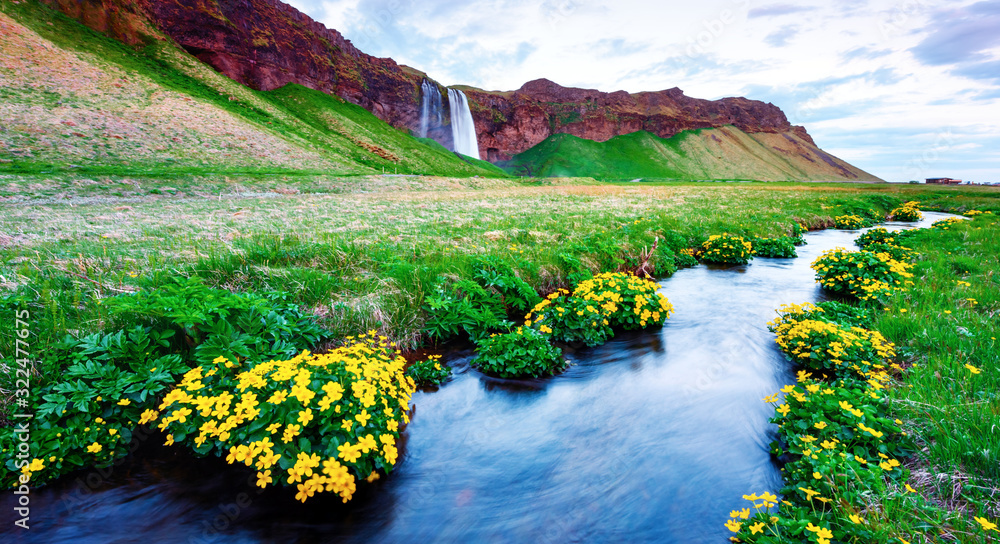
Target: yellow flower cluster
909,211
849,222
974,213
812,341
858,274
726,248
613,298
258,413
945,223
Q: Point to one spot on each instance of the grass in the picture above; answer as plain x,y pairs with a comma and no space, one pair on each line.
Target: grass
724,153
947,322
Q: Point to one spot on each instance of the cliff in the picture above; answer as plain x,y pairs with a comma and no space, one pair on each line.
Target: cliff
266,44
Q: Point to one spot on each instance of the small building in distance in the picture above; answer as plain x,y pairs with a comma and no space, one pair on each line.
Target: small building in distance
944,181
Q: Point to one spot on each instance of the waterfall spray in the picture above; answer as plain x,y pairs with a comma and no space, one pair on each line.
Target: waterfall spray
463,130
431,111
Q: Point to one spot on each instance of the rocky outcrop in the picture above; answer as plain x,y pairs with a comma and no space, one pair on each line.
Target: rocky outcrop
266,44
509,123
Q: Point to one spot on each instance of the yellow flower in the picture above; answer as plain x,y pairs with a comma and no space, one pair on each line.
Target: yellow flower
169,441
348,453
855,519
264,478
910,489
756,528
734,525
112,431
367,443
305,416
363,418
124,402
148,416
986,524
291,431
973,369
95,448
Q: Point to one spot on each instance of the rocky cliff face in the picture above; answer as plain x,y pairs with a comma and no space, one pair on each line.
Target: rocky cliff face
266,44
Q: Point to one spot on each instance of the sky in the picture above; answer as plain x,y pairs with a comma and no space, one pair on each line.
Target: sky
905,89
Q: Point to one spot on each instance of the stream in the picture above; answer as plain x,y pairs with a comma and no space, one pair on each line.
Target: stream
652,437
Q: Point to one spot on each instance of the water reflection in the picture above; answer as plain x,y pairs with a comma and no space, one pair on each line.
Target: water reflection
653,437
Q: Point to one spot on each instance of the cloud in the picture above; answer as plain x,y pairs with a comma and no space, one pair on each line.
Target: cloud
781,37
868,53
777,10
989,71
961,35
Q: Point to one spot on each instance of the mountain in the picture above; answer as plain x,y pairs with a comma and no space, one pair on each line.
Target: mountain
73,98
267,45
725,153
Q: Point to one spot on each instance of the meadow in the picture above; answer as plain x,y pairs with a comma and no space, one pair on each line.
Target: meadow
380,254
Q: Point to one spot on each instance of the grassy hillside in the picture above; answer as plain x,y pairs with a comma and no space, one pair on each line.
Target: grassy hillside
74,99
716,153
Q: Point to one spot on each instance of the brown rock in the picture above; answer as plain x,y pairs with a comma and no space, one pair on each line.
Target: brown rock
266,44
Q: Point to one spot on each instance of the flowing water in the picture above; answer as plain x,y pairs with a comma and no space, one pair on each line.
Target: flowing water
653,437
431,111
463,130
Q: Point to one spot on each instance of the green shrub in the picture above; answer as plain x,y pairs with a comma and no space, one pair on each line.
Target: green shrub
523,353
727,249
861,274
109,379
87,415
218,323
877,235
429,371
775,248
516,295
797,234
462,307
685,259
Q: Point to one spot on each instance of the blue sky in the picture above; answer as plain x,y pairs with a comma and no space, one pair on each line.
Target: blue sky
906,89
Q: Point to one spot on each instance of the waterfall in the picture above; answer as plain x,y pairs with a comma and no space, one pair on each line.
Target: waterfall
463,130
431,112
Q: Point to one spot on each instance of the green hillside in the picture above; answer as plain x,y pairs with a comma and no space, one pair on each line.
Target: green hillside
704,154
76,100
